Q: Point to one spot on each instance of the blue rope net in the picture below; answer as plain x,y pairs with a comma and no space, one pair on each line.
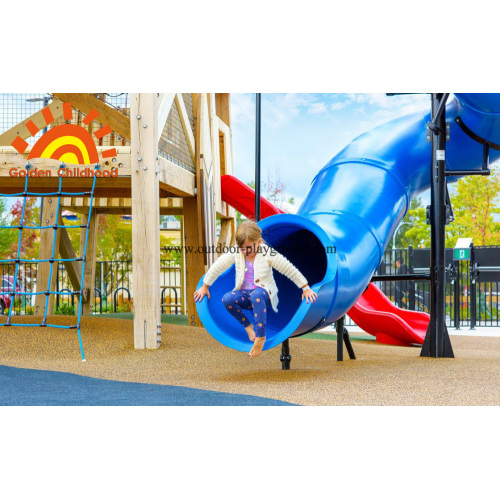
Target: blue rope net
55,227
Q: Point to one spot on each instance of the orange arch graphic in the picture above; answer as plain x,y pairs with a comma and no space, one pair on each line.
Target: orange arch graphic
65,131
68,148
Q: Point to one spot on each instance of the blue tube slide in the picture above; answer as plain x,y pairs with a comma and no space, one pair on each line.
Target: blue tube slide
354,204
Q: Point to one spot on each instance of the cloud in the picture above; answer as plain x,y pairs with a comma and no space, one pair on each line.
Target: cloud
304,131
278,110
242,108
317,108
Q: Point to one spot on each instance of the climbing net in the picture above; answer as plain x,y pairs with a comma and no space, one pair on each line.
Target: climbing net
52,259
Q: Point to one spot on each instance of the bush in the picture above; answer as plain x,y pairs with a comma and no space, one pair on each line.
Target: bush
125,307
65,309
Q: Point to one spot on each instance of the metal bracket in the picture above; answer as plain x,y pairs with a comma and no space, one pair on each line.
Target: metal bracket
452,272
429,132
474,273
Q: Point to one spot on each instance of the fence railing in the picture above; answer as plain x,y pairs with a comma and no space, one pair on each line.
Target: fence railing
113,288
472,287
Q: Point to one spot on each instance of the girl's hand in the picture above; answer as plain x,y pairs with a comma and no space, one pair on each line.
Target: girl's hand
309,295
200,293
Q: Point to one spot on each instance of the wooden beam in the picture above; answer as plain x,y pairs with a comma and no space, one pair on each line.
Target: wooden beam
175,179
66,251
120,205
199,171
20,130
45,252
194,261
118,121
10,158
90,261
225,235
195,108
223,108
145,220
164,106
186,125
105,186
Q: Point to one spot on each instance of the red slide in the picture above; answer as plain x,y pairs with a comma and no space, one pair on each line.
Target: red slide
373,312
242,197
377,315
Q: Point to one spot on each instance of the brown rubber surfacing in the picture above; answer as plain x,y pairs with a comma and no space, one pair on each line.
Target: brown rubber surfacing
190,357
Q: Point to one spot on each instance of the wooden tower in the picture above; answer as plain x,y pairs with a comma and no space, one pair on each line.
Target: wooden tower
171,150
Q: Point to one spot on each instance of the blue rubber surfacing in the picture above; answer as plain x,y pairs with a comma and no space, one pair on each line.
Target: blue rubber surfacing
26,387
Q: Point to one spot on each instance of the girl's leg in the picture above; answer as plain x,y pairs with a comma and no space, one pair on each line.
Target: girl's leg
234,302
260,302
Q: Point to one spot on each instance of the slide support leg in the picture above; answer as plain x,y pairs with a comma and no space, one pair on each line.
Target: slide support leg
285,357
343,337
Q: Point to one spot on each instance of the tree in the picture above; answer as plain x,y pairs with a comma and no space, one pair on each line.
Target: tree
276,189
31,217
114,239
7,236
414,229
475,205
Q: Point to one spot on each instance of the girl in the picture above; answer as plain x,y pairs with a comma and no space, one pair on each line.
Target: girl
255,286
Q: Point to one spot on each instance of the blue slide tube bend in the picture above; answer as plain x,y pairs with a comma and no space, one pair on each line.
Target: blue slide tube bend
354,204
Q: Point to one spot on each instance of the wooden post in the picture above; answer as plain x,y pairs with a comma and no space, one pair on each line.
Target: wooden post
89,275
49,213
223,108
183,270
195,261
145,219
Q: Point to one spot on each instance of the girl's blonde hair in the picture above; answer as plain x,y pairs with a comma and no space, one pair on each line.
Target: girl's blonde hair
248,230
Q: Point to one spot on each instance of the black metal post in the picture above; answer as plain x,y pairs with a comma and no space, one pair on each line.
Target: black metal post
257,155
343,338
285,357
339,327
457,296
437,342
412,285
473,290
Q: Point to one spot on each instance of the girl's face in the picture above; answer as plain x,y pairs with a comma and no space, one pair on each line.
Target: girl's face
249,248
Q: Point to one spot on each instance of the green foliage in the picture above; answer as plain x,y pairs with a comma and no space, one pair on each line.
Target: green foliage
475,204
174,255
414,229
114,240
124,307
8,237
65,309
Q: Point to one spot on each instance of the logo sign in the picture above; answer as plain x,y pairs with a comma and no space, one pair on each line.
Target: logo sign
67,143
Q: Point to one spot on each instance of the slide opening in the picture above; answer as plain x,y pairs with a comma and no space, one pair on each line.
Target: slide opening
306,252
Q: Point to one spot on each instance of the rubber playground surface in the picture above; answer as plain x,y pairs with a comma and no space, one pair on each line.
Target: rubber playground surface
191,368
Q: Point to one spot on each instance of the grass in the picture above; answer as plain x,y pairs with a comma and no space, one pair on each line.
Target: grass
173,319
326,336
180,319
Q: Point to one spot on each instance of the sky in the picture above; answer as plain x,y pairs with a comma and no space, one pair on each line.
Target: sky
302,132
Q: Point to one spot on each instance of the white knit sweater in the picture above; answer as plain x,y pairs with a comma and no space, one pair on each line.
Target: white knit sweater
265,260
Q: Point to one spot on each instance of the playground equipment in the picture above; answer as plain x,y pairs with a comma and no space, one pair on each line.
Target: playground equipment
352,208
373,312
169,150
47,292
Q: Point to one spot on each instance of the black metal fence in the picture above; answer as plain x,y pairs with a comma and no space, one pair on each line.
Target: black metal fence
113,288
472,287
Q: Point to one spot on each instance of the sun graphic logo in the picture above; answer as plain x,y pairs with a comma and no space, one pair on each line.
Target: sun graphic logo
67,143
